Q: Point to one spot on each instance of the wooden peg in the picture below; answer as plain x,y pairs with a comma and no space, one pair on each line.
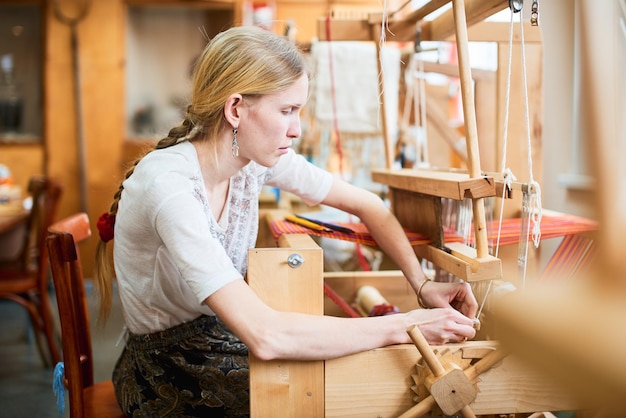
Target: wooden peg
451,389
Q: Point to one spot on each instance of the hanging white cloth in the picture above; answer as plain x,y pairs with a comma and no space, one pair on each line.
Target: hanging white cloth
355,73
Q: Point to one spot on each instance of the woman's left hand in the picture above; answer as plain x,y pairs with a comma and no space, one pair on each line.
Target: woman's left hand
456,295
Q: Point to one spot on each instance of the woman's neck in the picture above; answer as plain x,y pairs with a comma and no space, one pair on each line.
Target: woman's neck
217,163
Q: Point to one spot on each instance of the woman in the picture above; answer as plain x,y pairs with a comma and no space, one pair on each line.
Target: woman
185,217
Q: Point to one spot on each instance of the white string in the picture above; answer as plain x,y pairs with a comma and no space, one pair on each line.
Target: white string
507,173
535,202
425,158
384,26
408,99
507,99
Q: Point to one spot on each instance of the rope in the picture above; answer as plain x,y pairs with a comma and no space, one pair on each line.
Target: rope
535,202
384,26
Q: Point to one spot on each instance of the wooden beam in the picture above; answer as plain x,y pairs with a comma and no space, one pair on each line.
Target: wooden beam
499,32
462,261
343,30
403,29
451,185
476,11
452,70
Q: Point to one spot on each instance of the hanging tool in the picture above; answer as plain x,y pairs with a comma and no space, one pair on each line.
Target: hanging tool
72,22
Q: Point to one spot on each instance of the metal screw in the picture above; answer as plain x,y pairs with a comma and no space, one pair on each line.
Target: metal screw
295,260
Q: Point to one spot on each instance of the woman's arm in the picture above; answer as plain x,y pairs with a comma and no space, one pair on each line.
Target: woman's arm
271,334
381,223
391,238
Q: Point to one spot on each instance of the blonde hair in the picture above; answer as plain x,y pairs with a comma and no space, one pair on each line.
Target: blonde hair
245,60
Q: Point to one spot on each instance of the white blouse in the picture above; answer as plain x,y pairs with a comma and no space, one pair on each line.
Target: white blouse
170,253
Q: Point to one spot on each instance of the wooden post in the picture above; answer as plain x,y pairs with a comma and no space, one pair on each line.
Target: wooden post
469,116
288,279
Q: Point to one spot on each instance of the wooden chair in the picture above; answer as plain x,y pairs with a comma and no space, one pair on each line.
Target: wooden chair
86,399
25,279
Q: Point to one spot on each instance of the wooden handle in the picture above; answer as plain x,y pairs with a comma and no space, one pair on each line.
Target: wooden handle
427,354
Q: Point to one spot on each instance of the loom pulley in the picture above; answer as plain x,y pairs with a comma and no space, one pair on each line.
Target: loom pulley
516,6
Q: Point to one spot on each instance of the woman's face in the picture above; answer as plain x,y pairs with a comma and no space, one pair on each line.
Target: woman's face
270,123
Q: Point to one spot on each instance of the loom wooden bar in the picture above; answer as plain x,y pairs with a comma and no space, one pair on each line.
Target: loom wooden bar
344,30
403,29
450,185
452,70
287,388
462,262
500,32
443,27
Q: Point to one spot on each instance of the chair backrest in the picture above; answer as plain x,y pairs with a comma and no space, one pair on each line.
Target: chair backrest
46,195
67,275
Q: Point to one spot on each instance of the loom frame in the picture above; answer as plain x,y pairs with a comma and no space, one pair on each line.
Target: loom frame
375,382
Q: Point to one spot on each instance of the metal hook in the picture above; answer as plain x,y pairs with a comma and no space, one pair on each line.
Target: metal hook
417,46
534,13
516,6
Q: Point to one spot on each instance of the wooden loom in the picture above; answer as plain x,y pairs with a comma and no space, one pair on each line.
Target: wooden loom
385,382
379,382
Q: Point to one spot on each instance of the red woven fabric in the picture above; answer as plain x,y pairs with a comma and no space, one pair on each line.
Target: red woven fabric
552,226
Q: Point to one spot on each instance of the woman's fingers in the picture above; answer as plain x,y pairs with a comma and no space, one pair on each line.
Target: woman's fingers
443,325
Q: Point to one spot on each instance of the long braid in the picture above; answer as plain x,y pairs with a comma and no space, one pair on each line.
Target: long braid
104,272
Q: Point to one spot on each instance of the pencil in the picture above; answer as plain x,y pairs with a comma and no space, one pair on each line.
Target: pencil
308,224
329,225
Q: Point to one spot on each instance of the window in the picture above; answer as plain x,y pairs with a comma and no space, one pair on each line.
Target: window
20,73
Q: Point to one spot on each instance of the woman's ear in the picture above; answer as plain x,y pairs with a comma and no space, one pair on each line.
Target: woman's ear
232,109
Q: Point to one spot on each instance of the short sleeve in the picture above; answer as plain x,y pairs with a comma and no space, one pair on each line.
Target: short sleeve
294,174
182,226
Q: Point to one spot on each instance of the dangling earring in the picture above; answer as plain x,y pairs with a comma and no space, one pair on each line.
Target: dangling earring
235,147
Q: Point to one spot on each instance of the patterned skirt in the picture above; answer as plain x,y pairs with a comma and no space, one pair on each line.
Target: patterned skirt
196,369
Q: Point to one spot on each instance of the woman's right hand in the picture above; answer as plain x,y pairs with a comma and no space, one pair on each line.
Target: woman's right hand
442,325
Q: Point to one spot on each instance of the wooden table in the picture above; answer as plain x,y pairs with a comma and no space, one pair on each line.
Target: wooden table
8,222
12,224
